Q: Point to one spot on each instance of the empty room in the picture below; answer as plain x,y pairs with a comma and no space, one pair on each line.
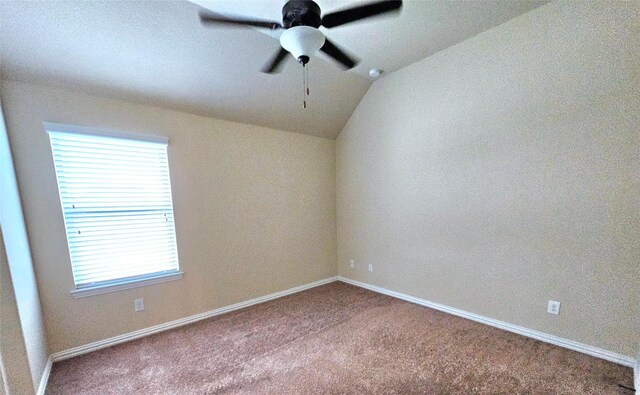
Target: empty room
319,197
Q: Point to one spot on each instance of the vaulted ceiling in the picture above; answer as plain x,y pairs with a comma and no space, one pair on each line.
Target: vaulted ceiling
158,52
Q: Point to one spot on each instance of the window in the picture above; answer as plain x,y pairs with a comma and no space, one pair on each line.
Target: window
116,201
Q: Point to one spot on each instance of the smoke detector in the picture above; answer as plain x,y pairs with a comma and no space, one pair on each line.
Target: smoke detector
375,73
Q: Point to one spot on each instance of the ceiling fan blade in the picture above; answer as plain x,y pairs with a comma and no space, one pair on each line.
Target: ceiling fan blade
345,60
361,12
275,62
210,18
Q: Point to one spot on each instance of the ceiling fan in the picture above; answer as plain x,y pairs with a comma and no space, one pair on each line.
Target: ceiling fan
302,38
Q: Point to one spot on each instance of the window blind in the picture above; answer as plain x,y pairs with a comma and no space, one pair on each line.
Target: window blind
116,201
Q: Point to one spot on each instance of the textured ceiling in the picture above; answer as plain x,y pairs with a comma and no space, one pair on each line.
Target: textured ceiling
158,52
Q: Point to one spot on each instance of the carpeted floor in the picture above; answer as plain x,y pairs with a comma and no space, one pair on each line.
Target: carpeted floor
337,339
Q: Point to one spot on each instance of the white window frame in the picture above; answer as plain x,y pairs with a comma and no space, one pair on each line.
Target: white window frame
124,283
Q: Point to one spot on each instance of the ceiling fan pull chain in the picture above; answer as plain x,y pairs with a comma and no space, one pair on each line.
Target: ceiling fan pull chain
307,79
304,87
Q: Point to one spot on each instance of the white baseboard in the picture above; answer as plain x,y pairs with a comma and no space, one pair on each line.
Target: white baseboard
87,348
572,345
558,341
45,377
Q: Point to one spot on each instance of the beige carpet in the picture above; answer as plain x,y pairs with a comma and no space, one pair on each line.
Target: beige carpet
337,339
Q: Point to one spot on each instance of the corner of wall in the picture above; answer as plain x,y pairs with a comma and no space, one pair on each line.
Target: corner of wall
19,278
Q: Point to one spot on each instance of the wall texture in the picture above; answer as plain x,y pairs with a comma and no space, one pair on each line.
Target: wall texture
22,335
505,171
254,211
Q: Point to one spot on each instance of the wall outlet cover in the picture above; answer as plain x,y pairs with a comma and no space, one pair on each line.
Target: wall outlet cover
138,304
370,267
352,263
553,307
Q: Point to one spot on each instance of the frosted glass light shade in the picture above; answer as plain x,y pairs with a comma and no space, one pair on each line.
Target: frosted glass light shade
302,40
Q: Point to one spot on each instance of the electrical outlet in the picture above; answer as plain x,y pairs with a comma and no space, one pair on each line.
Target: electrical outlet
352,264
553,307
370,267
138,304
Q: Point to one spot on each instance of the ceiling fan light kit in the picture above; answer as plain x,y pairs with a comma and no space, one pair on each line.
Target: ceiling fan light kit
302,42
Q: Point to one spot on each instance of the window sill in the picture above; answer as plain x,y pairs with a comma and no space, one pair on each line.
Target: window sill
103,289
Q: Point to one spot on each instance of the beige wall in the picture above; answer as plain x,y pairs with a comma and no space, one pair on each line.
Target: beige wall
254,211
503,172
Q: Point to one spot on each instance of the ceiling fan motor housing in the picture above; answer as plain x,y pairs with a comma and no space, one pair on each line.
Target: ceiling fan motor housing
301,13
